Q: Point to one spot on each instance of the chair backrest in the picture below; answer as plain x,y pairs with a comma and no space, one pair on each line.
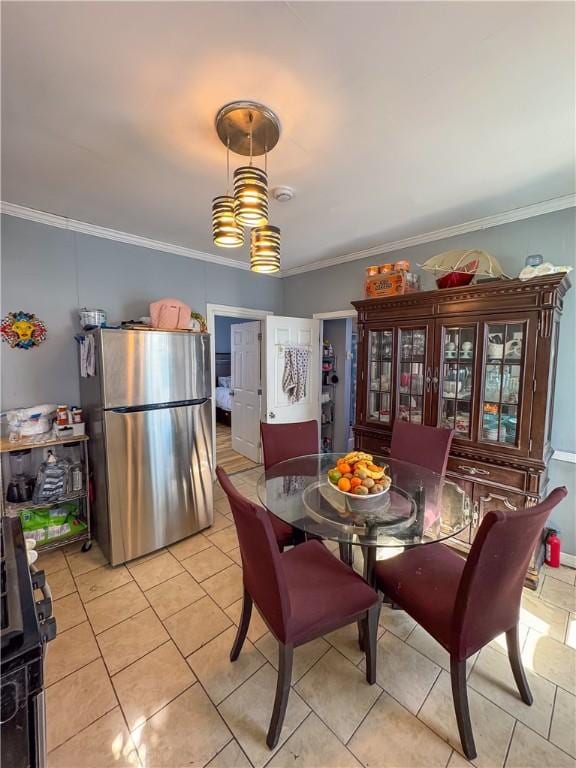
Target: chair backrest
281,442
490,589
427,446
262,570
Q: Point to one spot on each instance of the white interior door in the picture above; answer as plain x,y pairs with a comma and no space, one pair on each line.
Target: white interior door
280,333
245,386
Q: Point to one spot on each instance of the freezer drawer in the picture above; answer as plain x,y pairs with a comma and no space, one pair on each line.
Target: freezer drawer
148,367
159,477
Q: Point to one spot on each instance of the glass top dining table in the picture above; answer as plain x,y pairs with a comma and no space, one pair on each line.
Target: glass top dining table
420,506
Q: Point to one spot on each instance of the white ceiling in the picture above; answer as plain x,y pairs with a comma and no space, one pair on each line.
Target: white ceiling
398,117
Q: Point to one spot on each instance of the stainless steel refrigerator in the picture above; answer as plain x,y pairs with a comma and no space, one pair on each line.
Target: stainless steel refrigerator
149,415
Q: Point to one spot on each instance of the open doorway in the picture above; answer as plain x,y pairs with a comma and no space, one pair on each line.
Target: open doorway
338,384
237,392
236,385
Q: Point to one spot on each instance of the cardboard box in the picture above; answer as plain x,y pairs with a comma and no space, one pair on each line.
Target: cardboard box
387,284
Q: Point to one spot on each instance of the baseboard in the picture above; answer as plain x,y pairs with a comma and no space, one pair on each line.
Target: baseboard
569,560
564,456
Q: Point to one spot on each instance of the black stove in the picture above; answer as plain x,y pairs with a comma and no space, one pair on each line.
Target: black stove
26,627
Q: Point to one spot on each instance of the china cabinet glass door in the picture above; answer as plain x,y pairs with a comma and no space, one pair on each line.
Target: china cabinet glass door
503,377
411,382
380,353
456,378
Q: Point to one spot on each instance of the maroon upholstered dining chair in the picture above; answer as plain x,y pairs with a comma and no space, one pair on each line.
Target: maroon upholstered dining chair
301,594
464,604
281,442
418,444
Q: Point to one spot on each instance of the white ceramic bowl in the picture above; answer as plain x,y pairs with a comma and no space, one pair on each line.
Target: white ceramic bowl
357,495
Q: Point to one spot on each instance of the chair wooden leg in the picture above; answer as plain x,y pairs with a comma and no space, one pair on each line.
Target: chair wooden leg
460,696
242,627
285,655
515,658
361,623
371,641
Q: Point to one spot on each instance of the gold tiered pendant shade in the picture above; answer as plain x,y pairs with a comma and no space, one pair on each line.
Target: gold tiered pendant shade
265,249
251,196
227,233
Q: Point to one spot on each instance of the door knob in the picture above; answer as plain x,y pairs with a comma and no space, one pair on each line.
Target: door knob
271,415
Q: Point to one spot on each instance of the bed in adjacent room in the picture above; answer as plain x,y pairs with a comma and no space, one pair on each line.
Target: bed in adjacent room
223,392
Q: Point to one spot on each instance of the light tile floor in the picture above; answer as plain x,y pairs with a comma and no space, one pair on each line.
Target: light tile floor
139,674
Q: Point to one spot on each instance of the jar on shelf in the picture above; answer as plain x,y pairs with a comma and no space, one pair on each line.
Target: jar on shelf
72,454
62,415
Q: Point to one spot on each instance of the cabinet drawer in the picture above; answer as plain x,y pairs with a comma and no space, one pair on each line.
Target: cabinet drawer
486,473
375,445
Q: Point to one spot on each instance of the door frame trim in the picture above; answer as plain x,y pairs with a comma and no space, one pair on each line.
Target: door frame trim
337,314
224,310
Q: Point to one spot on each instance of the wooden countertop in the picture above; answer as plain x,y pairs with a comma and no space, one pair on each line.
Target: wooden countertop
6,446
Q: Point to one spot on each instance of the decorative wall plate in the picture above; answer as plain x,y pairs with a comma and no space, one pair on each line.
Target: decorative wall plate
23,330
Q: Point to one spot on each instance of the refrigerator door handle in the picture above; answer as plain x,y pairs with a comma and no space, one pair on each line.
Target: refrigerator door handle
157,406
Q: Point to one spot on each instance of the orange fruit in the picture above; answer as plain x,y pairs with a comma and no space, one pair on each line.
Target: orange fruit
344,467
355,482
344,484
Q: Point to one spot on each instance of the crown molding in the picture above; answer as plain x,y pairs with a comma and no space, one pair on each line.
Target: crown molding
517,214
61,222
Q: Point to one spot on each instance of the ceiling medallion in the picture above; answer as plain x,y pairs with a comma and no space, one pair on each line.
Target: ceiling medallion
250,129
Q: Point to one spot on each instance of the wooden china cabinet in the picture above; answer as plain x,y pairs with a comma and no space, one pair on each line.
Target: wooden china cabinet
480,360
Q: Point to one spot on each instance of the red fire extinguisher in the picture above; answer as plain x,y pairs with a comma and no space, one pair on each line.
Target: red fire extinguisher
553,549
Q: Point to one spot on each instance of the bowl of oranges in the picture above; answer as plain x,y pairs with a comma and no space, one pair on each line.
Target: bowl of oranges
356,475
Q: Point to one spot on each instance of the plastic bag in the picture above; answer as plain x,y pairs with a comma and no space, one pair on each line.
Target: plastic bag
52,480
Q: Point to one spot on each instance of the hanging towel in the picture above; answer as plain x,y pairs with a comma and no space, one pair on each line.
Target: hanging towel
295,378
87,356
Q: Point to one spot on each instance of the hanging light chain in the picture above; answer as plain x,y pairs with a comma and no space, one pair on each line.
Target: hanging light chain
250,119
228,167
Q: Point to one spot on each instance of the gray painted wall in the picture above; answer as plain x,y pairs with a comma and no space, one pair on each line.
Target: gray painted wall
564,517
552,235
53,272
222,331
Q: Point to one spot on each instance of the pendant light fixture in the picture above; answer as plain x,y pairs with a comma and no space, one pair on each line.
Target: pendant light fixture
265,249
251,196
251,188
226,232
250,129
